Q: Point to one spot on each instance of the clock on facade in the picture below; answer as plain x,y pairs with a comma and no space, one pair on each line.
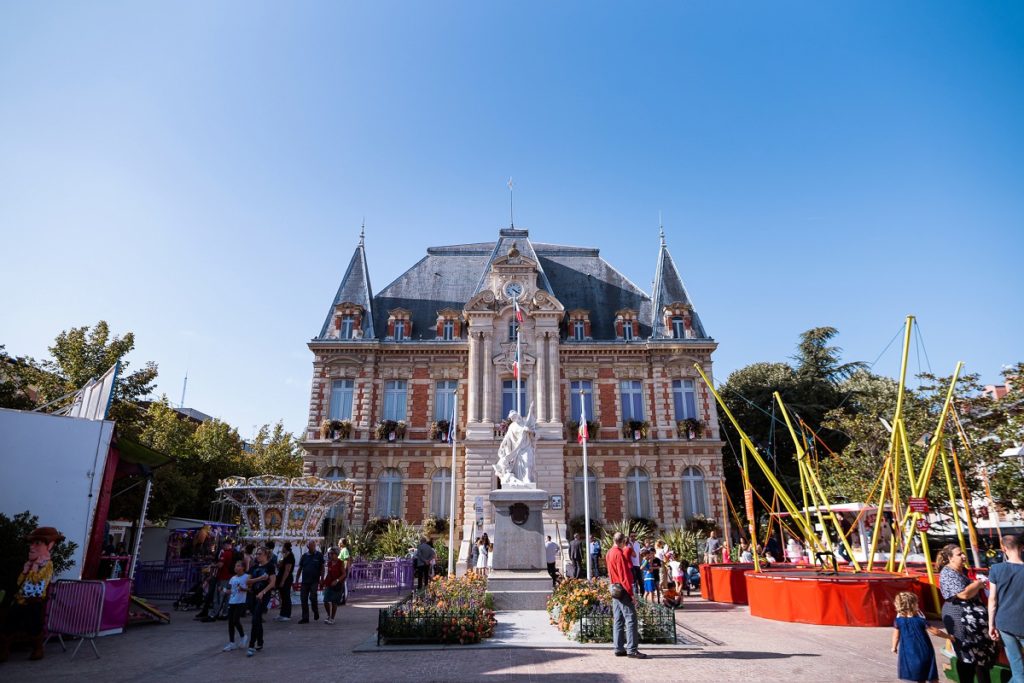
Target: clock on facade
513,290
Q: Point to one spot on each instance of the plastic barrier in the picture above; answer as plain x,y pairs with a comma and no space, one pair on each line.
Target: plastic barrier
380,576
846,599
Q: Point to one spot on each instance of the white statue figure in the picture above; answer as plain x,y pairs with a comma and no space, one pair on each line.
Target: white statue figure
515,466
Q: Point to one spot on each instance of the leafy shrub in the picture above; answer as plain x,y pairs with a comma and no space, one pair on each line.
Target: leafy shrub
577,523
449,610
434,526
686,544
396,539
12,538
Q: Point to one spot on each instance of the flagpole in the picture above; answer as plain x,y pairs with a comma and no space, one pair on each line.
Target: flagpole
519,359
453,431
585,432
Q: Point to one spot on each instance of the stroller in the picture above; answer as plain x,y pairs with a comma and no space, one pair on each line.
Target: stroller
194,597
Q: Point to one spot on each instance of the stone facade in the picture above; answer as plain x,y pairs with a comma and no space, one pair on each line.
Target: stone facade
664,470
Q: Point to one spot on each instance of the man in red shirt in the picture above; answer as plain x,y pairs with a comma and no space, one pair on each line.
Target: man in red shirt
624,627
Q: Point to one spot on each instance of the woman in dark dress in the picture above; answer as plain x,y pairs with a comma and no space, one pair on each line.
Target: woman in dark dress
965,617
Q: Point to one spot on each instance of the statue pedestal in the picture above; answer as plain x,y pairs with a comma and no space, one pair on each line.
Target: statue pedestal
518,528
519,579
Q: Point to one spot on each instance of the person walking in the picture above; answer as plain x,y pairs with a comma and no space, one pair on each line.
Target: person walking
576,556
311,570
1006,605
285,576
595,556
625,631
422,560
345,555
638,579
474,553
965,616
910,642
225,568
550,557
238,585
333,585
260,584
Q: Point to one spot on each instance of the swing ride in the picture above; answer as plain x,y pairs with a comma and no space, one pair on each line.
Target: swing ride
881,542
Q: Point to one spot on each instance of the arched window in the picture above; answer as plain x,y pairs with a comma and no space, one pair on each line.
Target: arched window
695,493
389,493
577,493
335,520
638,494
440,493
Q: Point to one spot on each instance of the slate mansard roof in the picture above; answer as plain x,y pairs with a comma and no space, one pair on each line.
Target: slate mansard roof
449,276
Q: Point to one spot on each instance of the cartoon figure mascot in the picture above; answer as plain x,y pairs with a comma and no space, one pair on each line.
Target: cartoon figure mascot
26,616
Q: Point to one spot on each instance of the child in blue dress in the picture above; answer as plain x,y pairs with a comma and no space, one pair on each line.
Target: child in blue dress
648,573
916,655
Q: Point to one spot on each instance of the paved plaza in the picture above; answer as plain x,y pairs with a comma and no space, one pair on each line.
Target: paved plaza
724,644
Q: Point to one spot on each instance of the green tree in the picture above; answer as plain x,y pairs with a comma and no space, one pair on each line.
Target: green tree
275,451
16,375
82,353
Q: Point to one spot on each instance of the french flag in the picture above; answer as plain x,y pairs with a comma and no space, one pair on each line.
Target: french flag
519,311
515,366
583,434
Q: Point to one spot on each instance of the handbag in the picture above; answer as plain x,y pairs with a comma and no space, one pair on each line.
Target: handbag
617,591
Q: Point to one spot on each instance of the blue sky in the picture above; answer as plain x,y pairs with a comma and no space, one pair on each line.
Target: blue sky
197,172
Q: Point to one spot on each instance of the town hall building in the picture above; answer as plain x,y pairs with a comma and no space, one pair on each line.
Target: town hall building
389,367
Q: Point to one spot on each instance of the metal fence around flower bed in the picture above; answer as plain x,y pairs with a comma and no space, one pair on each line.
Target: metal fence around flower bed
657,624
401,623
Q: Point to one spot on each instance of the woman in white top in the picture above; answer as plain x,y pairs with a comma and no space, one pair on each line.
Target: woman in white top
485,551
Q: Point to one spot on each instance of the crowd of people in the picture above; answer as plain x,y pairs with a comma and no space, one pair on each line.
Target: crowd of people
243,581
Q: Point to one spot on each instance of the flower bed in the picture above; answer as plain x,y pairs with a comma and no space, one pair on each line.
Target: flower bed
583,611
449,610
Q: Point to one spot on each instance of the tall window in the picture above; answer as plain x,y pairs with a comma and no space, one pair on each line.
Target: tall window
440,493
334,520
577,493
695,494
389,493
579,330
348,326
587,398
508,397
678,331
444,399
341,399
638,494
394,399
684,398
632,394
448,330
400,330
512,325
627,330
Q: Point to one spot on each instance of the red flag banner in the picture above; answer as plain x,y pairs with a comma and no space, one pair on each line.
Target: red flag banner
583,434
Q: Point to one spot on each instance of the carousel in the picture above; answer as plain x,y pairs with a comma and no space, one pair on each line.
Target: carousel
277,508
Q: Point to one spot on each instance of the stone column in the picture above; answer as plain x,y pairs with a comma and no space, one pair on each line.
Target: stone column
555,384
472,388
487,367
541,376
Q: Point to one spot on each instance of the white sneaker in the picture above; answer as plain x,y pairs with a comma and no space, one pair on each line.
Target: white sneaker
229,647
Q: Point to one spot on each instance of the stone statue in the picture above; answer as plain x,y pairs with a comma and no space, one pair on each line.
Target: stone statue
516,465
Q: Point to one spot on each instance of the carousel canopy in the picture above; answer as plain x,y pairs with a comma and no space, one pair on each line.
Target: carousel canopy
282,508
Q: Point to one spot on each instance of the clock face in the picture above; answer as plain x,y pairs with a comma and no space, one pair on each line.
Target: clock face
514,290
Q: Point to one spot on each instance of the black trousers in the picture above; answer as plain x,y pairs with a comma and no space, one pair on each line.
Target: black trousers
552,574
285,593
422,575
235,613
259,608
307,597
577,569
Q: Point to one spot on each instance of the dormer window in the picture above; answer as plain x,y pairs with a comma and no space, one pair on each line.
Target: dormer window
677,327
678,318
448,325
627,327
448,330
400,324
579,325
348,318
348,327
